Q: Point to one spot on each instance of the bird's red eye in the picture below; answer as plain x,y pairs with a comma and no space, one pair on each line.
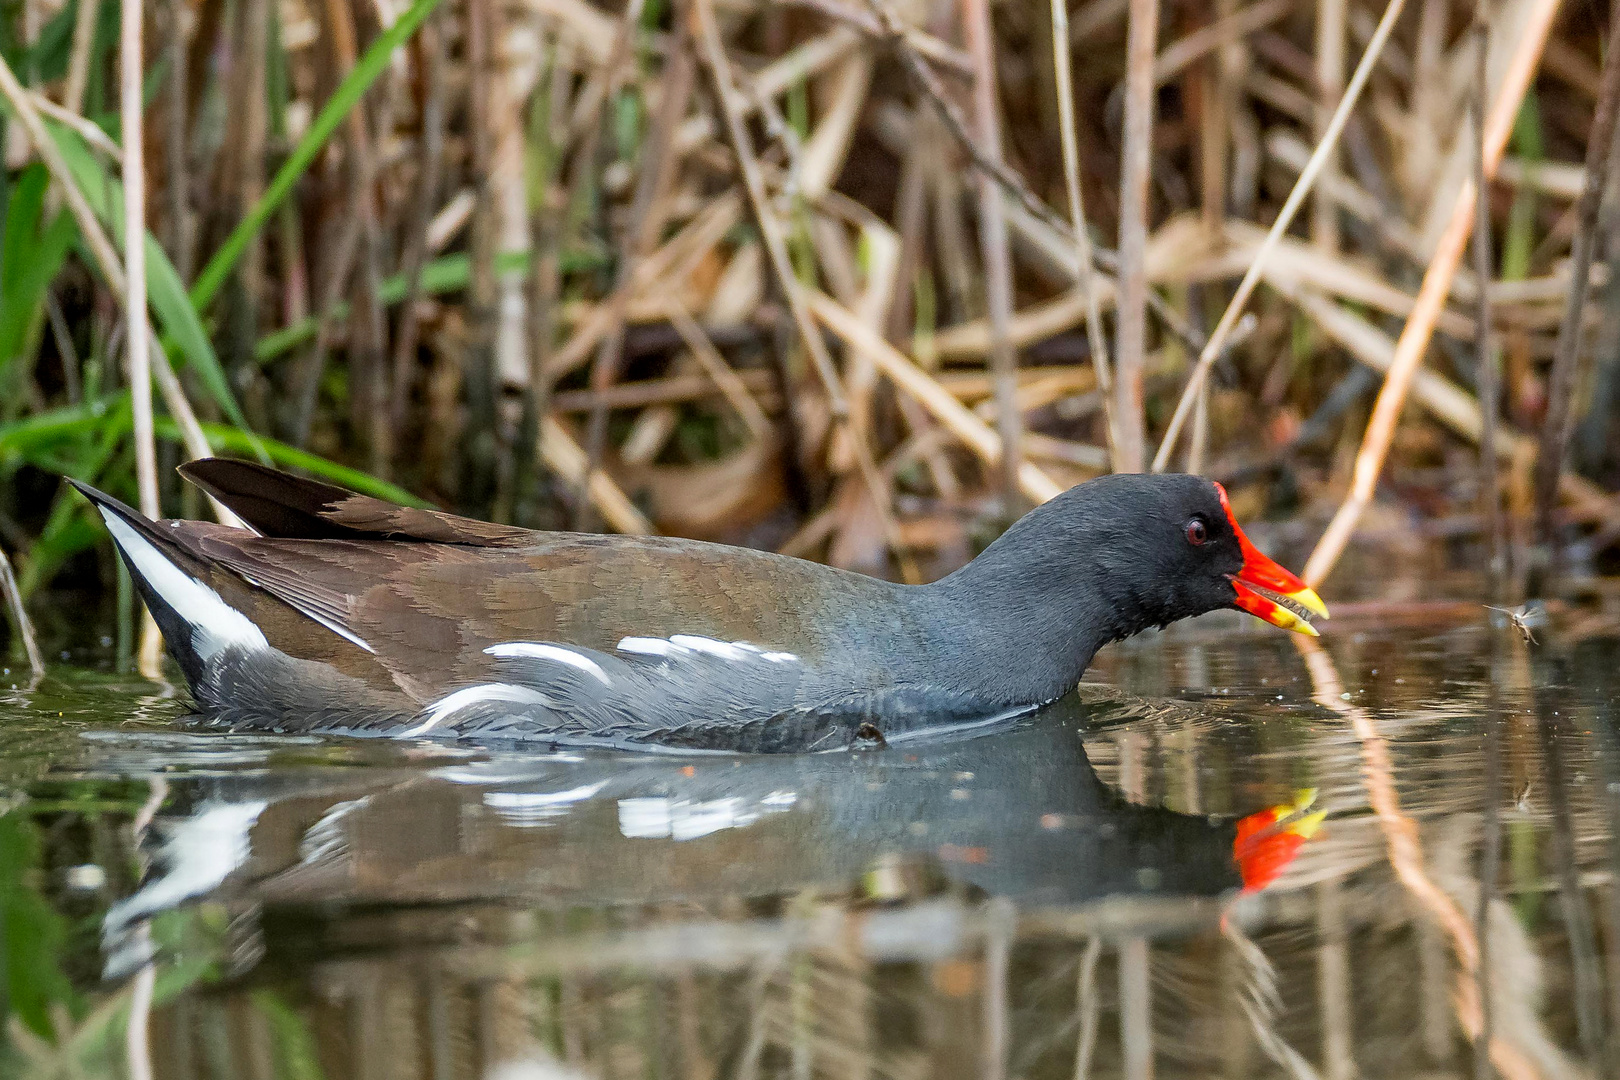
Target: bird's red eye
1197,533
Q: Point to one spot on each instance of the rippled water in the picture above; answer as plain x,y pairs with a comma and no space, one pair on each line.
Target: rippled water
1231,854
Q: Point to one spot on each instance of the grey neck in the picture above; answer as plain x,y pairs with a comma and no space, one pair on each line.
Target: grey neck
993,629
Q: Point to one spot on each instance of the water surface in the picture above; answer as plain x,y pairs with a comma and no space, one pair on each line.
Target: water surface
1121,885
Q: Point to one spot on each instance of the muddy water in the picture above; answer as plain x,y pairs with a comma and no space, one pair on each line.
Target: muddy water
1226,856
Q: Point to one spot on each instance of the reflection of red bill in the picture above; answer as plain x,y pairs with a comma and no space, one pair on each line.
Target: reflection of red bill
1268,841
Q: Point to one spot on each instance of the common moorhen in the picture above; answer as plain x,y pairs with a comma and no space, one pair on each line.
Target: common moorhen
341,612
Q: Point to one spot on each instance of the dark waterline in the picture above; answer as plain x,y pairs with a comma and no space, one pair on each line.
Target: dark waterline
1095,889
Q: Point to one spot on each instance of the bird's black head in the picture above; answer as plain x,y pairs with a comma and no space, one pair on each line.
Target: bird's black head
1123,553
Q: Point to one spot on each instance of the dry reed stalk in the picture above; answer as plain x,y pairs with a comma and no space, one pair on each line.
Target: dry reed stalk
1062,67
1226,30
1209,88
707,35
1130,325
546,224
1292,152
78,74
1302,187
1417,165
1199,445
688,385
20,623
176,186
480,449
1331,20
1414,339
1485,356
431,50
1558,422
340,258
993,245
566,458
137,344
818,162
911,222
727,381
911,379
245,150
924,43
671,263
107,258
87,130
1295,263
610,351
1406,857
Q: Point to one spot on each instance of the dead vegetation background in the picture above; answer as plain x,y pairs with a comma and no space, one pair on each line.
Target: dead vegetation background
856,280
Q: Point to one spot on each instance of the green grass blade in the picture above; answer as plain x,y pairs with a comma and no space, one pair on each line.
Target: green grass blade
31,257
32,434
365,72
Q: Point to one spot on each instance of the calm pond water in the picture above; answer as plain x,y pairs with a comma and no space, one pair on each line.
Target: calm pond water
1126,885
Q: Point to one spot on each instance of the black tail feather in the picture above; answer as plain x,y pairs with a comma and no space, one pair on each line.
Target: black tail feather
131,529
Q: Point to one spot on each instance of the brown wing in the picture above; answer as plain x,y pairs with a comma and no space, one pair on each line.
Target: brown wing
427,611
279,504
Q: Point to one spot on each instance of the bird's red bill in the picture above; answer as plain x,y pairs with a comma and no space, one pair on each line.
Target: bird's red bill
1266,590
1268,841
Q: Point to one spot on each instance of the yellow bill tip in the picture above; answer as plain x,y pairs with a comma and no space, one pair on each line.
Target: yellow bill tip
1307,599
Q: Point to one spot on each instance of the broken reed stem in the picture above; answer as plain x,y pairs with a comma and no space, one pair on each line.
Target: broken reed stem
1130,312
1431,298
1296,198
1558,423
1485,373
1062,66
993,247
19,615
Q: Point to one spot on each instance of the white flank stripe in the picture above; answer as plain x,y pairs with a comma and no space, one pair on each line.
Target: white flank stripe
510,650
474,695
686,644
215,625
650,646
724,649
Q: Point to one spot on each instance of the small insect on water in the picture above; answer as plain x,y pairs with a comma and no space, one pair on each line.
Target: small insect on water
1525,618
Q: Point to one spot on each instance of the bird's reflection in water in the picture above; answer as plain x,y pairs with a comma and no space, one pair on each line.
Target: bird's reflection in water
1021,814
697,899
1134,883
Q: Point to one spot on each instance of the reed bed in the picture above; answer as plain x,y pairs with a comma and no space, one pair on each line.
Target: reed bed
856,280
